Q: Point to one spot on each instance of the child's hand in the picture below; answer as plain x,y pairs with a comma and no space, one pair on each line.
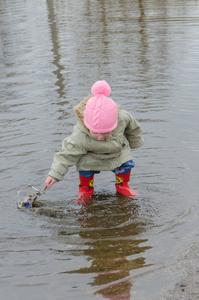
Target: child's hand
49,182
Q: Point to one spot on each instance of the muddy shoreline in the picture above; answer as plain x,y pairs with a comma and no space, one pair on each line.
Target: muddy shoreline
188,286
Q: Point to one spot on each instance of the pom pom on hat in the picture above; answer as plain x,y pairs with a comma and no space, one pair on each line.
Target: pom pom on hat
101,87
101,113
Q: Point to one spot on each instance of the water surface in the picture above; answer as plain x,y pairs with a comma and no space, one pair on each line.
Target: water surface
51,53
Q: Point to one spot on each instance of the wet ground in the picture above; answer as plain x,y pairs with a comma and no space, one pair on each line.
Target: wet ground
51,52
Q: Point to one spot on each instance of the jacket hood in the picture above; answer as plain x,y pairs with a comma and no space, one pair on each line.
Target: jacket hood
80,108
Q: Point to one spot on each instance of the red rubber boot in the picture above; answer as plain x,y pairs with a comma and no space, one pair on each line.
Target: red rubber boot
86,189
123,187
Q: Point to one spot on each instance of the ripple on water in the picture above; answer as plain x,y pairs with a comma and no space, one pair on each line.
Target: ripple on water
105,232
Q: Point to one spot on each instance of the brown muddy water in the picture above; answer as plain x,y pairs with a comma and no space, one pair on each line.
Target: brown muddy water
51,53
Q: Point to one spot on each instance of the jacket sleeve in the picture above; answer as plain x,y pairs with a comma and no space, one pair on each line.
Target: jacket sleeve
68,156
133,132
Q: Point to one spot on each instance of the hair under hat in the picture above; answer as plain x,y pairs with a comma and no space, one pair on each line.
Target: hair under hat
101,113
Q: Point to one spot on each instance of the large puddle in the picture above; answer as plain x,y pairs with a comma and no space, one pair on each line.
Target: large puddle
114,248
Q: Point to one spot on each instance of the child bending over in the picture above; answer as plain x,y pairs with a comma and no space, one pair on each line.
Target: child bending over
100,141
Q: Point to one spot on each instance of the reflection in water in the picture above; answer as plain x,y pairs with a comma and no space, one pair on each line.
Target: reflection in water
108,230
55,49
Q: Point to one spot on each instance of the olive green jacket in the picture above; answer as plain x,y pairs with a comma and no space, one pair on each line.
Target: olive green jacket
88,154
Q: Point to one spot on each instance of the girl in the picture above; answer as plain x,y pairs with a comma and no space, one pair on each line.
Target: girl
100,141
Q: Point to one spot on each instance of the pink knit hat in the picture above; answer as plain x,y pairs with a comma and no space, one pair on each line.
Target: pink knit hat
100,114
